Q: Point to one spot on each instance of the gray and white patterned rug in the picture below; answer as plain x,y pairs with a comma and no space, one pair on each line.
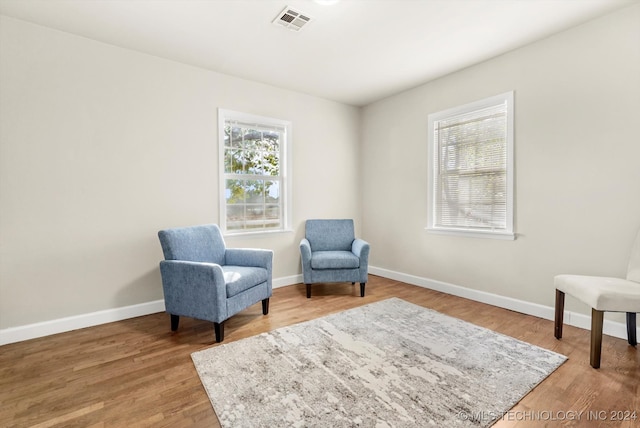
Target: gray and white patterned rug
386,364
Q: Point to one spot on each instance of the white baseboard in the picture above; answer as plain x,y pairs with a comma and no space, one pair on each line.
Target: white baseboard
61,325
612,328
46,328
287,280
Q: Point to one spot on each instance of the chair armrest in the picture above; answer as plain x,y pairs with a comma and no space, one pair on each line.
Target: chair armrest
194,289
305,250
249,257
360,248
305,253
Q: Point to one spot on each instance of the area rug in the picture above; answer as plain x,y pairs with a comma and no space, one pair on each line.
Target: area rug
385,364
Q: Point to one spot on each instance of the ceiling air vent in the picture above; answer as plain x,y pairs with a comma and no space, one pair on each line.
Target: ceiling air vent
292,19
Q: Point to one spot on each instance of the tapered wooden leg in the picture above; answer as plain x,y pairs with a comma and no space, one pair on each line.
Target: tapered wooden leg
175,320
219,329
597,318
362,284
308,291
559,314
631,328
265,306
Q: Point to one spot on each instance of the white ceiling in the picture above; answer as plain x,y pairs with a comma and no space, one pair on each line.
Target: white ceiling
355,51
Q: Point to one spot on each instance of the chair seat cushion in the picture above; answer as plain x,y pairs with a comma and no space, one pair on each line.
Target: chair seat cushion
334,260
601,293
242,278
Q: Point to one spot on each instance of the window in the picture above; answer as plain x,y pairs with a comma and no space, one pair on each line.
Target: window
471,169
254,177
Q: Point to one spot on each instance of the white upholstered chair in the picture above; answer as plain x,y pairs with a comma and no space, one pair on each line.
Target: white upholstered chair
603,294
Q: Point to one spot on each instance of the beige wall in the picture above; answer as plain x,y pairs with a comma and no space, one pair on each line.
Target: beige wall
100,147
577,110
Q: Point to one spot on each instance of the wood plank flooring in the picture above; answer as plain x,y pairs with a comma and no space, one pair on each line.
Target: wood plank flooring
137,373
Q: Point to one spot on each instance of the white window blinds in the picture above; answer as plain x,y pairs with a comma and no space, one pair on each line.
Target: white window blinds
471,180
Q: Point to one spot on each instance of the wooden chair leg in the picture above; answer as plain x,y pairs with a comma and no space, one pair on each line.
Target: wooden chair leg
362,284
308,291
631,328
265,306
219,329
175,320
559,314
597,318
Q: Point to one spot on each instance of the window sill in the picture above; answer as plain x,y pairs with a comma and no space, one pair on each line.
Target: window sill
468,233
253,233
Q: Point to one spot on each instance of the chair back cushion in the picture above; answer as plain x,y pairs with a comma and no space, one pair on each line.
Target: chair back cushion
194,243
633,270
330,235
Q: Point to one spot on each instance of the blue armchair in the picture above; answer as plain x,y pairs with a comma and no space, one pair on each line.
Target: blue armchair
203,279
331,253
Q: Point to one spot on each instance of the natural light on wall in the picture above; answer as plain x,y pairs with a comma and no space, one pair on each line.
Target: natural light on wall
471,178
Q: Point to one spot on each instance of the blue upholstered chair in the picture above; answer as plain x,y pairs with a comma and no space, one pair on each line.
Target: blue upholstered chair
203,279
331,253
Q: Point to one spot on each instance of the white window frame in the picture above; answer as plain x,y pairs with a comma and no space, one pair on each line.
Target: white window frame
433,157
224,116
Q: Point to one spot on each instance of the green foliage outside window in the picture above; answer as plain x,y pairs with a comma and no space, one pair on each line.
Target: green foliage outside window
252,171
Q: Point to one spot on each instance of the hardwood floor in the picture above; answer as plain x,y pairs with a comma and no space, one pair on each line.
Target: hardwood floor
138,373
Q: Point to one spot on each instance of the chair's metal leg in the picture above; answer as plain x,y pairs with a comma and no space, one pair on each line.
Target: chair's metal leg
265,306
559,314
175,320
597,318
219,329
308,291
362,284
631,328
